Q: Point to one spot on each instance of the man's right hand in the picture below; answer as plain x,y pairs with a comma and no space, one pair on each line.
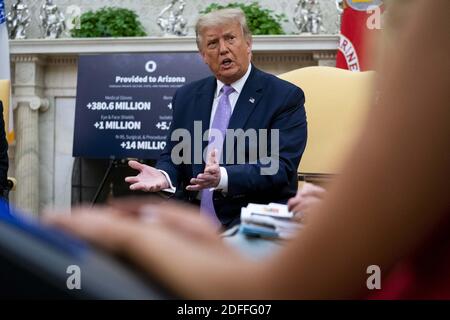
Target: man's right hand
149,179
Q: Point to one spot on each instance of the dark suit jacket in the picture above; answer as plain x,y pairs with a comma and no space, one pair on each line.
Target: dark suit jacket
266,102
3,155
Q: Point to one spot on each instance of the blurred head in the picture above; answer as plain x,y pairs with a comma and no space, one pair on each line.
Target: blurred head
396,17
225,42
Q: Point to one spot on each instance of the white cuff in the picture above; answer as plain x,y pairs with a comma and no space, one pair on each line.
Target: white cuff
171,188
223,183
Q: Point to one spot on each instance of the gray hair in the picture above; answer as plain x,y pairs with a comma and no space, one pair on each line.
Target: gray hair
219,18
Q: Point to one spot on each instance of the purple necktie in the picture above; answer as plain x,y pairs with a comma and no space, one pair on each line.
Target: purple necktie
220,123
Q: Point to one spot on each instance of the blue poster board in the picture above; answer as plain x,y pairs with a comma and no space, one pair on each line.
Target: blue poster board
123,105
2,12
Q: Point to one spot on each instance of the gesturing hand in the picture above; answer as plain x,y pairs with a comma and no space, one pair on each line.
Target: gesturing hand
210,178
149,179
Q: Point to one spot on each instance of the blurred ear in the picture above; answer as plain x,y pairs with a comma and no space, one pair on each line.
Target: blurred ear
249,45
249,48
202,54
201,51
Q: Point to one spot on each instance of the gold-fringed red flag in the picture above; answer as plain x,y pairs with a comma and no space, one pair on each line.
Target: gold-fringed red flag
360,22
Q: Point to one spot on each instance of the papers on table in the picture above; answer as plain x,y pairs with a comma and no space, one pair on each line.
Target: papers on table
270,221
270,210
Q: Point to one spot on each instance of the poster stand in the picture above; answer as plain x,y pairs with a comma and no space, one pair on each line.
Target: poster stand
113,163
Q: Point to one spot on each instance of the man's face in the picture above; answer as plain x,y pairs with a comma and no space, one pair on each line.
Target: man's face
226,52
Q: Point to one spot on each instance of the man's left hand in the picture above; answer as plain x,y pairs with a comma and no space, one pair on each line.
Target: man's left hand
210,178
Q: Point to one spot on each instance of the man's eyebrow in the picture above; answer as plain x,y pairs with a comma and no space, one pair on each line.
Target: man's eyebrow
211,37
227,34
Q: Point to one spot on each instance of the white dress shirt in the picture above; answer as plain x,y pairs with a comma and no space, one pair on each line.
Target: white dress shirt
233,97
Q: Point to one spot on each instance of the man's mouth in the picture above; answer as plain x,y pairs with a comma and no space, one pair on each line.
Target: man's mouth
226,62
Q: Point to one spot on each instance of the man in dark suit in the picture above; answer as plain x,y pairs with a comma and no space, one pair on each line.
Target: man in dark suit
233,170
4,163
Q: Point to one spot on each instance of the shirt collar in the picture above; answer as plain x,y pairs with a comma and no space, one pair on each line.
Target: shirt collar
237,85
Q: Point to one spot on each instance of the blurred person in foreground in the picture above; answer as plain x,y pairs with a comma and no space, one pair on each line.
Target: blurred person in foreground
390,207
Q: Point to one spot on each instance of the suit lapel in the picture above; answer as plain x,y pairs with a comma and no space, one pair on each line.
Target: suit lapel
248,99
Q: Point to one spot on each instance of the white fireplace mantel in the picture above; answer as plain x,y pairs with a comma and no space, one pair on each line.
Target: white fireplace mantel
286,43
